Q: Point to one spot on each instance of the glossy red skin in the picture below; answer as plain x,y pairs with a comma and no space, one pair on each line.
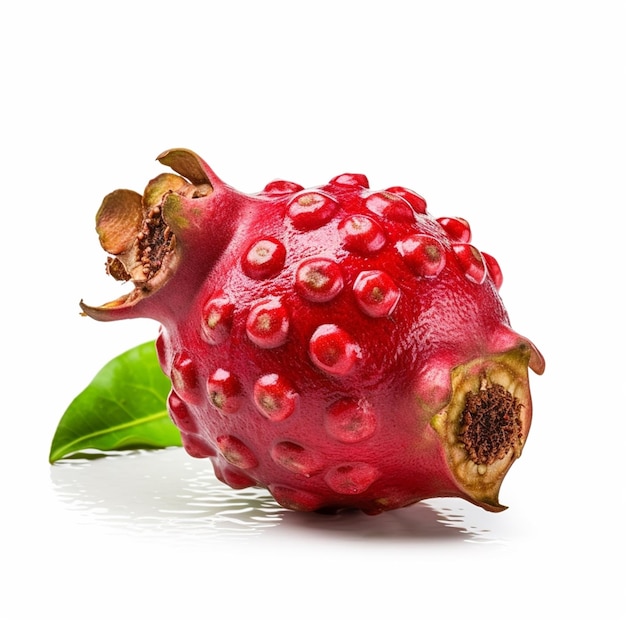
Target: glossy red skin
397,371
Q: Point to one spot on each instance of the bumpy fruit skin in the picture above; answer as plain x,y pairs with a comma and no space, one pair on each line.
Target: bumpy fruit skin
336,345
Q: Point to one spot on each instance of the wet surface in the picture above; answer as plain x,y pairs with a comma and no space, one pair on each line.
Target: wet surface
168,493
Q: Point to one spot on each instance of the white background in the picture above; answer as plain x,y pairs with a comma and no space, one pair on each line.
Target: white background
510,114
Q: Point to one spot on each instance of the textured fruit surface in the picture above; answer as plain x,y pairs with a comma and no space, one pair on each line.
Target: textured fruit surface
336,345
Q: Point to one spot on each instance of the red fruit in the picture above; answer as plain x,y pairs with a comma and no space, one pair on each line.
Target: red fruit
362,234
376,293
424,254
318,279
224,391
338,346
217,319
457,228
274,397
268,323
333,350
264,258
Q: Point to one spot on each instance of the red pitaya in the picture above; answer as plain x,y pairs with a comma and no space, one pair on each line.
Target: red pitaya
338,346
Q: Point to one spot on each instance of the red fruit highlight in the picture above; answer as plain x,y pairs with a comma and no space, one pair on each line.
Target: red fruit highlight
376,293
265,258
268,323
391,206
275,397
217,319
471,262
350,420
424,255
224,391
362,234
338,346
457,228
311,210
318,279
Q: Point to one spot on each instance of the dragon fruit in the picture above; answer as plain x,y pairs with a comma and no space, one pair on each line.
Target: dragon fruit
336,345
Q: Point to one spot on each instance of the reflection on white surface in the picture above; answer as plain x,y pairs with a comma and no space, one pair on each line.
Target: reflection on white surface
164,492
168,493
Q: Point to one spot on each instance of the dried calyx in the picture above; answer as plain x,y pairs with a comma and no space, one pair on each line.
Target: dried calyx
485,425
134,230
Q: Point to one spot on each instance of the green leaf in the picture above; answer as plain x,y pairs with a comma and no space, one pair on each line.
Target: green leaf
124,407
